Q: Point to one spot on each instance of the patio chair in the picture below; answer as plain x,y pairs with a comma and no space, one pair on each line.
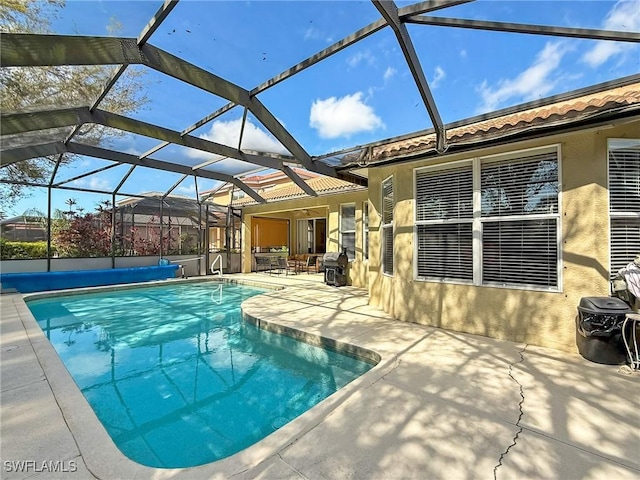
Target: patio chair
312,265
263,264
281,265
285,265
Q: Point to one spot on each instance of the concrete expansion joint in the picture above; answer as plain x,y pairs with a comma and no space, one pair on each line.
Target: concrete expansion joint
395,364
298,472
520,412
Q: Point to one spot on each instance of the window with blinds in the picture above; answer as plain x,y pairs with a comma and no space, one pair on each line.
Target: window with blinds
365,230
490,221
348,230
444,229
624,202
387,226
519,211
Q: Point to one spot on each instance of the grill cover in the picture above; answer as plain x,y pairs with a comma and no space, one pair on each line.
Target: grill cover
335,259
601,316
603,305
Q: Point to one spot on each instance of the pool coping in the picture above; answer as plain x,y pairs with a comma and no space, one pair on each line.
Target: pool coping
102,457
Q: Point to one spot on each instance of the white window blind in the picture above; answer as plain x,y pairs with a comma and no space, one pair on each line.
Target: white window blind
365,230
387,226
490,221
522,252
445,251
444,215
523,186
517,249
444,194
348,230
624,202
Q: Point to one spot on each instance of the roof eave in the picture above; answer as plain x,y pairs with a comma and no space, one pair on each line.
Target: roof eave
508,136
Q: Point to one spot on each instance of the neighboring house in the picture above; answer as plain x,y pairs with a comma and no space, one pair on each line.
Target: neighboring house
31,226
529,209
227,193
142,221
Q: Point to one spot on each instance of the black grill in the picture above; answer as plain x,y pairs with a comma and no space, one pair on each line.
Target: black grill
599,327
335,268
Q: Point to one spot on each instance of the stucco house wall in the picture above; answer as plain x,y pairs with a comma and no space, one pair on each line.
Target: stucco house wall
536,317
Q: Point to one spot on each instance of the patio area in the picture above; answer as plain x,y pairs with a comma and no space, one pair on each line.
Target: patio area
440,404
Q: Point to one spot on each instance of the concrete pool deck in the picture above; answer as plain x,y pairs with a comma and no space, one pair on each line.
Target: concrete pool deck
440,404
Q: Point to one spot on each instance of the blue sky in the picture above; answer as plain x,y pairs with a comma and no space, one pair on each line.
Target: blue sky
363,94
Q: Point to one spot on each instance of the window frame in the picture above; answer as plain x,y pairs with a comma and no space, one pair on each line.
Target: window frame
387,226
628,217
342,232
365,231
417,223
479,221
237,194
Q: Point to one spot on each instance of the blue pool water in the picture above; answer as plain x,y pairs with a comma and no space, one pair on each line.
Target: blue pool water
177,377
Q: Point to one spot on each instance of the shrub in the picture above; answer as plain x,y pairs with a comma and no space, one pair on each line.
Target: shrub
16,250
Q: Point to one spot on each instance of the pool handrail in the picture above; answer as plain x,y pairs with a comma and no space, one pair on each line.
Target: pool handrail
213,264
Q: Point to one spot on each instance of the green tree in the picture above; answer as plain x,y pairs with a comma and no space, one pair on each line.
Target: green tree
28,88
83,235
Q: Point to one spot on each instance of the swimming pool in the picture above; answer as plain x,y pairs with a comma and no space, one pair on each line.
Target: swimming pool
176,376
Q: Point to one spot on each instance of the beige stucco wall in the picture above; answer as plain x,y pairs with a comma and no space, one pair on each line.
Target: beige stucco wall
328,207
535,317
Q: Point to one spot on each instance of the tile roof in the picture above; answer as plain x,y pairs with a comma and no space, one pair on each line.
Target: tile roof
322,185
275,175
512,123
266,180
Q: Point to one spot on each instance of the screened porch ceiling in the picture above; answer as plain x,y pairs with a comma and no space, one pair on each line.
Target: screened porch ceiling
154,140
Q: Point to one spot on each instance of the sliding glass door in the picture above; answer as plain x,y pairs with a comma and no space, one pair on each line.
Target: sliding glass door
312,235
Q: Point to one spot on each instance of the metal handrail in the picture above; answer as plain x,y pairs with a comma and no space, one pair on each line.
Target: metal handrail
213,264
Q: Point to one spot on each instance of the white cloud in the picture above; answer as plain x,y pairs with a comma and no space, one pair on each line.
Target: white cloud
362,56
186,189
312,33
536,81
463,53
624,16
438,76
343,117
228,133
389,73
93,183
